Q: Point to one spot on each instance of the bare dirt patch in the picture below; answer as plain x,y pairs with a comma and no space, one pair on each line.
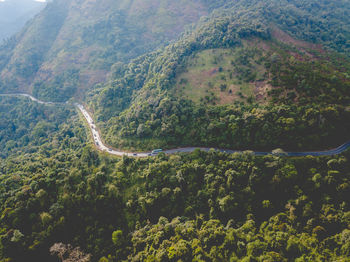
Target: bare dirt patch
261,90
229,96
211,72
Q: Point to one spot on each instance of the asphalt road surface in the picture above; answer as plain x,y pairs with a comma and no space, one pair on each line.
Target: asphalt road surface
103,147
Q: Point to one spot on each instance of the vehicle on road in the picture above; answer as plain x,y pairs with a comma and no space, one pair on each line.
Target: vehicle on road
342,148
156,151
134,154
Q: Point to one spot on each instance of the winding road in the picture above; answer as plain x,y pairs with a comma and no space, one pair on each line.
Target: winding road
101,146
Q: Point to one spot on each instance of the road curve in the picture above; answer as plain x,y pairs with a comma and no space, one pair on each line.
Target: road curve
34,99
101,146
97,137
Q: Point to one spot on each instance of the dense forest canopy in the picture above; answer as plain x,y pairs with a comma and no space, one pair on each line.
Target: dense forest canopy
294,89
201,206
244,74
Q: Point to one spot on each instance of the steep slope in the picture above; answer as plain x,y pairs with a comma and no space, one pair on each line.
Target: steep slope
286,89
72,45
56,189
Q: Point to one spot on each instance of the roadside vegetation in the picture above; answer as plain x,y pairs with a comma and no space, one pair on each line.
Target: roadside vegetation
26,126
252,75
270,93
198,206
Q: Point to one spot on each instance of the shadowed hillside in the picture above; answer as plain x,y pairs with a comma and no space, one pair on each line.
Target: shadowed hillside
71,45
252,75
262,75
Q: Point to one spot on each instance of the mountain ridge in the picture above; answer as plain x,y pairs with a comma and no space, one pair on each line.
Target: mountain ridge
73,55
246,75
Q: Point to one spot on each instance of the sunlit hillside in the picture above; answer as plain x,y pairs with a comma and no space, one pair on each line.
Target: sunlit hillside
189,130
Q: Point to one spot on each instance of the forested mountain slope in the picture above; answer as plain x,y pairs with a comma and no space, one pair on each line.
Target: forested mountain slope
248,75
72,45
198,206
243,78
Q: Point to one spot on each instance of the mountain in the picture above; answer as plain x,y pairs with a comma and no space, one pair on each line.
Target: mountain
15,13
72,45
131,58
252,72
237,74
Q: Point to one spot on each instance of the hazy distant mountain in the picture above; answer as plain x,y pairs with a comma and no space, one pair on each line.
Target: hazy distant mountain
232,74
73,44
15,13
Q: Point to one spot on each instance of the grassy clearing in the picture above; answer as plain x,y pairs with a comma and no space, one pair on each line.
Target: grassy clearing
221,76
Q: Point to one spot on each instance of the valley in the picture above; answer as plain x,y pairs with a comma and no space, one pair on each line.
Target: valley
190,130
98,141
